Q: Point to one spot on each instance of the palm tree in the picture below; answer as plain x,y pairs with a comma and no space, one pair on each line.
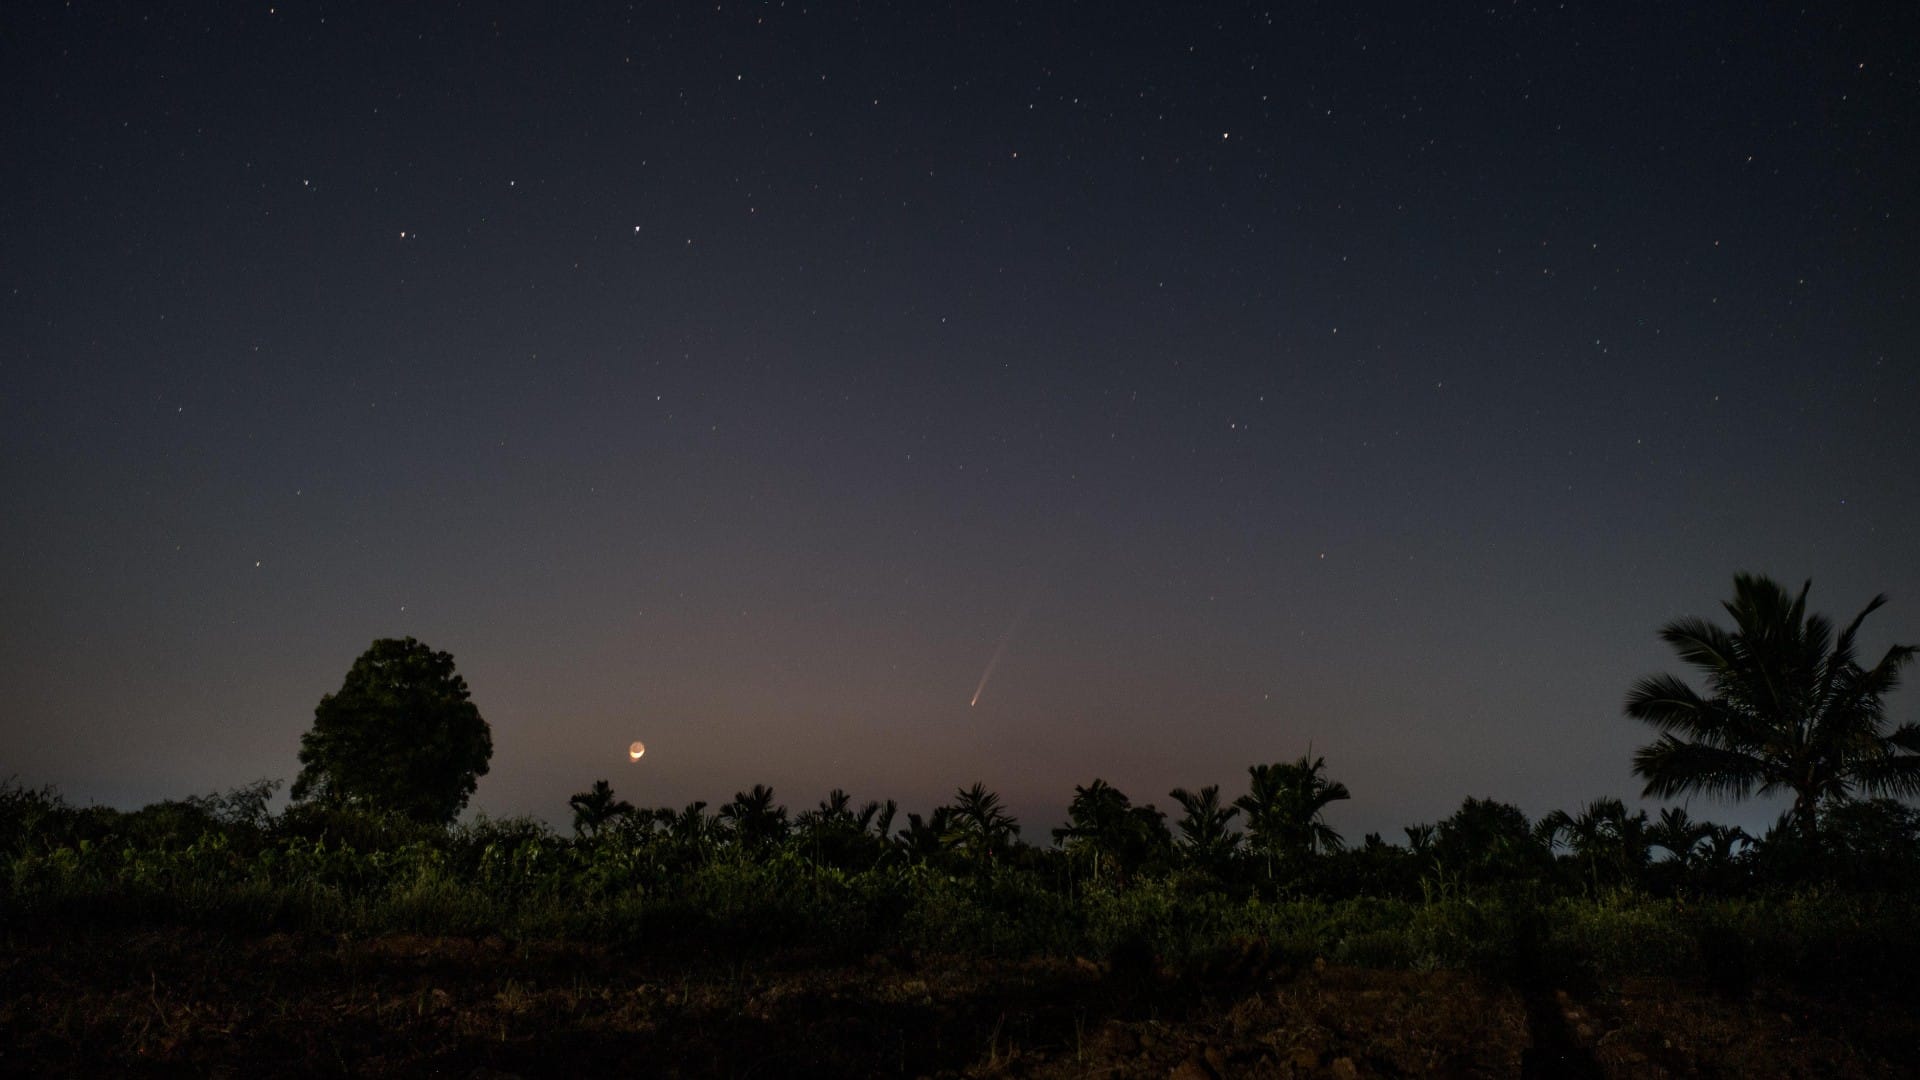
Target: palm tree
1419,838
1720,842
1787,708
1679,835
690,830
1204,825
878,817
926,838
1604,836
595,807
837,806
837,835
1284,805
755,820
978,825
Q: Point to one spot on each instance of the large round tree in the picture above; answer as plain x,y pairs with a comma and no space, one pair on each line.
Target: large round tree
1787,708
400,735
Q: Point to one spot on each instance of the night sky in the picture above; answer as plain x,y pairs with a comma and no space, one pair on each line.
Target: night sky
745,378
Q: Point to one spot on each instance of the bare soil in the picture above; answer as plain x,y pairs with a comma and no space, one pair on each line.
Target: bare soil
156,1003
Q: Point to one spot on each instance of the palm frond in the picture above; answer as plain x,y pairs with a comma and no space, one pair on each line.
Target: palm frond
1896,775
1700,643
1672,768
1906,737
1843,649
1671,705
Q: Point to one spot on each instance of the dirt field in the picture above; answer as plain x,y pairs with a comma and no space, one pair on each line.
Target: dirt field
163,1004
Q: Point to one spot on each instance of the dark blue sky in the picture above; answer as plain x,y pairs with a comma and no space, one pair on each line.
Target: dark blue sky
732,377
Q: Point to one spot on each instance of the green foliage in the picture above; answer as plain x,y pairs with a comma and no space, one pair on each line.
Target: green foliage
400,734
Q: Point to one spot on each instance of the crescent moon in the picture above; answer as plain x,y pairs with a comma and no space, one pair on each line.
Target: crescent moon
638,748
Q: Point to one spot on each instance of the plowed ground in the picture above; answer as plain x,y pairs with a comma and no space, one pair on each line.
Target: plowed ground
150,1003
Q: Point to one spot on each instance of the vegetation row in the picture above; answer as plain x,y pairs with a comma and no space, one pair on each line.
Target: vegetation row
370,844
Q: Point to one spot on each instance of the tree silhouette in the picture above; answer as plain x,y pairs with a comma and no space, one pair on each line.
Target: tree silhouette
1419,838
1720,842
689,831
595,807
927,838
1105,823
1679,835
978,825
400,734
757,824
1203,825
879,817
1284,806
836,835
1611,843
1787,708
1489,841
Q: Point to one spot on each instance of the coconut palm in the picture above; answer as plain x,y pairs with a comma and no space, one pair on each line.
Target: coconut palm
1787,708
1284,805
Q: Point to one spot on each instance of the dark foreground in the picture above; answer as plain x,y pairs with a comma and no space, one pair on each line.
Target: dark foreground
152,1003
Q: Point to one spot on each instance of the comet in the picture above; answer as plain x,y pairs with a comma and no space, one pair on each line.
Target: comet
998,651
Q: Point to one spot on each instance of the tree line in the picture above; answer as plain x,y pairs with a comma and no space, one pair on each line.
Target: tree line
1788,707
